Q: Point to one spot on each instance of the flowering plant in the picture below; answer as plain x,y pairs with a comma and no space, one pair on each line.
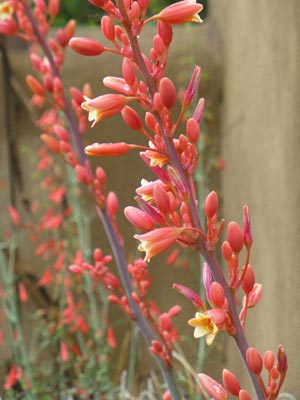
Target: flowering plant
167,212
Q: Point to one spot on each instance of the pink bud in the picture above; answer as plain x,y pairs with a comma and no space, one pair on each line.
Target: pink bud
150,121
226,251
216,294
139,219
193,130
108,149
282,360
53,7
254,360
14,215
64,352
131,118
112,203
34,85
255,295
211,204
269,360
128,71
108,28
22,293
213,388
199,110
86,46
77,95
248,240
51,143
235,236
161,199
192,88
230,382
190,295
248,280
167,92
158,45
243,395
165,32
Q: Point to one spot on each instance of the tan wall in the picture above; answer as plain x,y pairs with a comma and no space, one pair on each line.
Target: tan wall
261,143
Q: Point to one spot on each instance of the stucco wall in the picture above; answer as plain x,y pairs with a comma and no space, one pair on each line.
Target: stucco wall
260,145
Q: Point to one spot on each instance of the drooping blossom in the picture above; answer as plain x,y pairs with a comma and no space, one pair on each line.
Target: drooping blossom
158,240
180,12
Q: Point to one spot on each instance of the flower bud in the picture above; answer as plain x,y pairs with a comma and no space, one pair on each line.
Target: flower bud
243,395
230,382
269,360
235,236
193,87
108,149
139,219
86,46
226,251
255,295
199,110
248,240
216,294
248,280
213,388
112,203
34,85
131,118
50,142
211,204
180,12
190,295
161,199
254,360
128,71
282,360
158,45
167,92
192,130
165,32
108,28
53,7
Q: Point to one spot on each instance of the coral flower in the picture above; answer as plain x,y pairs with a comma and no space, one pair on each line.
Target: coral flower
180,12
158,240
204,326
104,106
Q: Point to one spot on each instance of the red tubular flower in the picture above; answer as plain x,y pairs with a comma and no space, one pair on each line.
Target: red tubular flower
108,149
34,85
104,106
180,12
158,240
86,46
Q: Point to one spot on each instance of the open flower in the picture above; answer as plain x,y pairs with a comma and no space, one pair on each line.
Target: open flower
104,106
158,240
204,326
